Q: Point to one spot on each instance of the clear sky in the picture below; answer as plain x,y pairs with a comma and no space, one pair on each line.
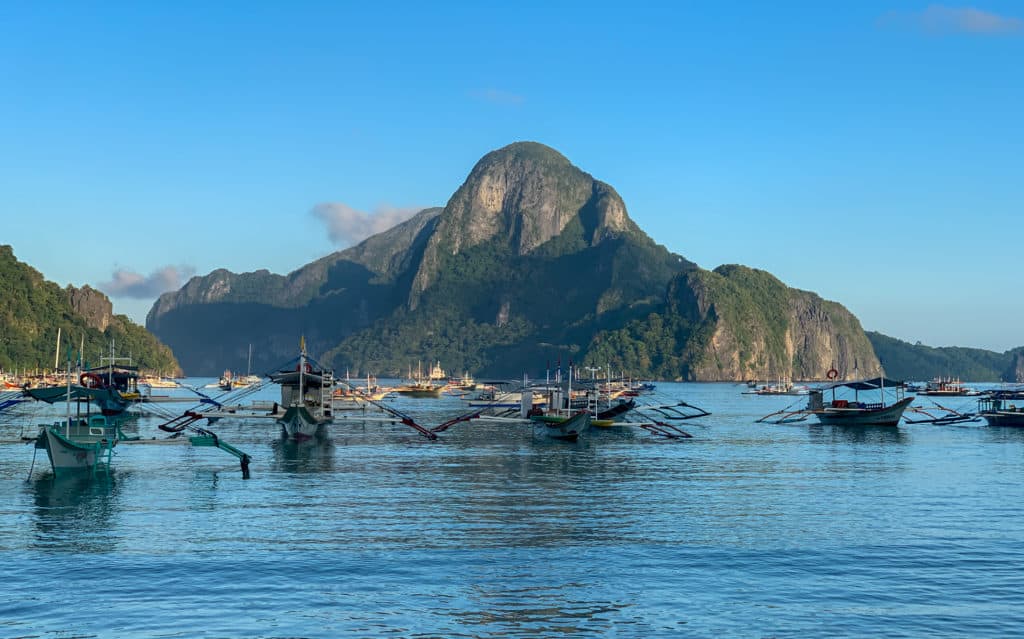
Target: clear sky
870,151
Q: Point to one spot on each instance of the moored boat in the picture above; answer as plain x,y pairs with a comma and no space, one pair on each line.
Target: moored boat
783,387
79,445
419,389
947,387
886,411
847,412
998,410
305,397
569,429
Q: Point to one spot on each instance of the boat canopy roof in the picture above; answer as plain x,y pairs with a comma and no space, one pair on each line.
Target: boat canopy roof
117,368
874,383
55,394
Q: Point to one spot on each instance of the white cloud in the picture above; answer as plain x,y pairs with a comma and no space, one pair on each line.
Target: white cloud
939,19
126,283
347,226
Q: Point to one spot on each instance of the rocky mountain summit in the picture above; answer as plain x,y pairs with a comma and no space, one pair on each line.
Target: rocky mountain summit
531,260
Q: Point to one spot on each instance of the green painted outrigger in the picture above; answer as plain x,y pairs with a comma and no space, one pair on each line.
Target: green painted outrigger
208,438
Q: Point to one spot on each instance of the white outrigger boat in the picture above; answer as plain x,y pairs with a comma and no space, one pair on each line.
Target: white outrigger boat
306,397
78,444
850,412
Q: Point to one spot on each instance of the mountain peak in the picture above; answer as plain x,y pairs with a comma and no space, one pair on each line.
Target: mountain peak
525,151
522,196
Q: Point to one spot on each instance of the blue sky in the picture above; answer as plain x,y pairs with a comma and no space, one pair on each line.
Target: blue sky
868,151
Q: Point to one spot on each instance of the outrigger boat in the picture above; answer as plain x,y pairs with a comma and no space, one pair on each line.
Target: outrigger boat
846,412
568,430
947,387
784,387
306,394
997,410
419,387
77,444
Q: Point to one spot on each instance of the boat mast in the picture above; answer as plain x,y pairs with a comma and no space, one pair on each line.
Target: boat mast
569,398
302,370
56,358
67,408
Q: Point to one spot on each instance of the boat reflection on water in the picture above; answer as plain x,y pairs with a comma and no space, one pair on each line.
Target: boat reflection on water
314,455
857,434
85,504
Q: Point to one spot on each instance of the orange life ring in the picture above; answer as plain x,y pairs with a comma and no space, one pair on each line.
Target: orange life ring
832,373
308,369
90,380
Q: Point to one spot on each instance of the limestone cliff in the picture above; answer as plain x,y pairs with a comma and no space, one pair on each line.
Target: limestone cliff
755,327
522,196
1014,373
92,305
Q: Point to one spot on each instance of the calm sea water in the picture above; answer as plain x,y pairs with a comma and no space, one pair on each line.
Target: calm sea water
747,530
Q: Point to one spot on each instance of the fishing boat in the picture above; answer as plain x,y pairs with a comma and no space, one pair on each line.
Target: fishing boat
419,387
464,383
855,412
568,430
783,387
947,387
157,381
998,410
77,445
305,397
851,411
81,443
348,392
492,395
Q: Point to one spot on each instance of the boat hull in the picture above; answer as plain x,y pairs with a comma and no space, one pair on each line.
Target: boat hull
558,419
1004,418
888,416
433,393
70,457
299,424
568,430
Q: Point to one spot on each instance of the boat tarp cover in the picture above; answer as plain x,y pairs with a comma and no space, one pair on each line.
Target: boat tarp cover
869,384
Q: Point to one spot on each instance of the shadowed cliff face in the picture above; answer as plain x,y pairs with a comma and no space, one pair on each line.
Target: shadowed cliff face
212,320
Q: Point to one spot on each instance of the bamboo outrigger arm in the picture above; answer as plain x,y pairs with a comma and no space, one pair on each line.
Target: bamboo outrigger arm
204,437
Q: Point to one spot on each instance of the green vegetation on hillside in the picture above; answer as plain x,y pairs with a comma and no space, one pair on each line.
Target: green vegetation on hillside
903,360
532,260
32,309
493,311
